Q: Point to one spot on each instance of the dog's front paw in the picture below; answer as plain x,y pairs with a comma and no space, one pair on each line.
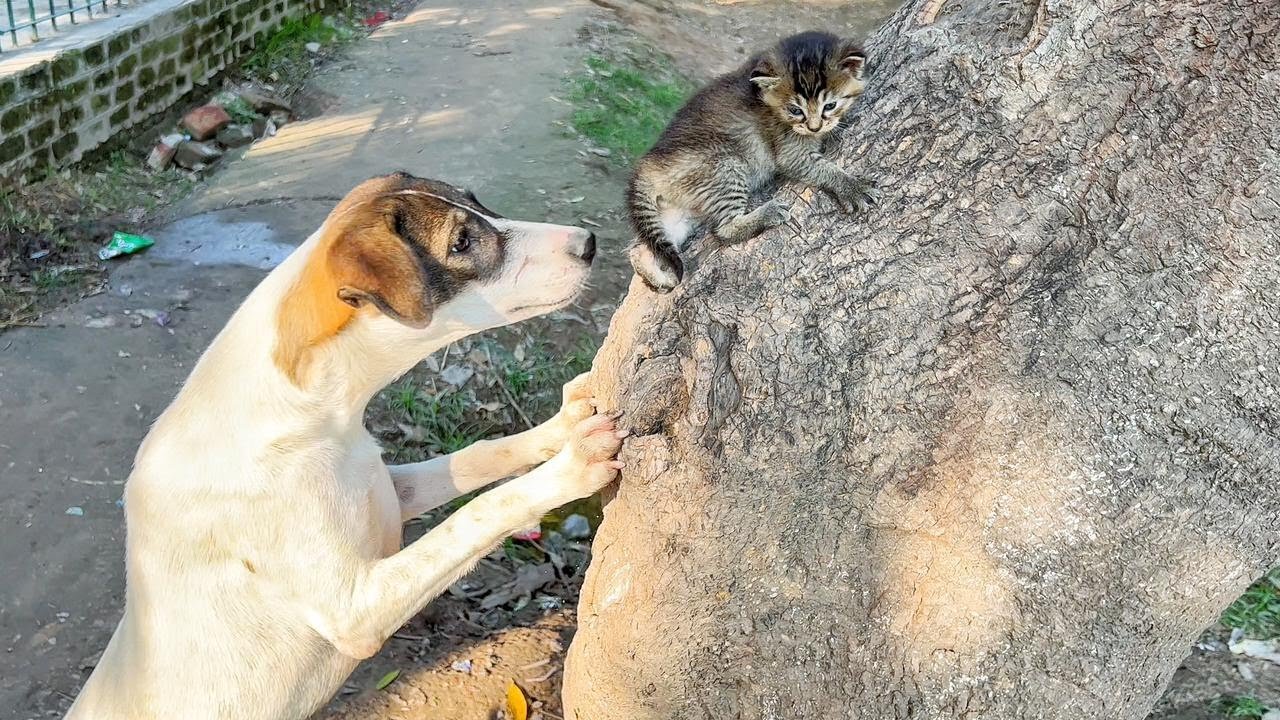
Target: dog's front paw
591,456
859,195
577,405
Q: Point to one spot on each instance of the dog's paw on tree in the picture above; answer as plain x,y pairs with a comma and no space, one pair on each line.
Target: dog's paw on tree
1000,447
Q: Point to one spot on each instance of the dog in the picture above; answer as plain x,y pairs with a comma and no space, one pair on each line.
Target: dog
264,554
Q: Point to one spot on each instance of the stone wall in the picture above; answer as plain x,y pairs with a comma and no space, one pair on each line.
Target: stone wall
63,97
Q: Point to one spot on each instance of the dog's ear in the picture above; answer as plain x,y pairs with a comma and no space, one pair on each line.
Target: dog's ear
373,262
361,259
763,74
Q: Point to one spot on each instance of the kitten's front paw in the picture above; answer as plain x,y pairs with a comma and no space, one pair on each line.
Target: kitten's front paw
660,270
859,195
774,213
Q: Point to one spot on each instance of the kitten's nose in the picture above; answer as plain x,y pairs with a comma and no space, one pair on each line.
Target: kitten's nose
583,245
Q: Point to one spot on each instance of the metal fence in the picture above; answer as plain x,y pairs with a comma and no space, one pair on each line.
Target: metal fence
23,21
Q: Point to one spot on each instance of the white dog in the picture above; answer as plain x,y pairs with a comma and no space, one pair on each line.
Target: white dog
263,556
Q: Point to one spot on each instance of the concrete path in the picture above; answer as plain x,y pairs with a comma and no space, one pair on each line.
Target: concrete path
460,91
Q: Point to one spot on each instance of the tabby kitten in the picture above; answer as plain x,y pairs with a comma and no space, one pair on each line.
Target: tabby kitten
735,136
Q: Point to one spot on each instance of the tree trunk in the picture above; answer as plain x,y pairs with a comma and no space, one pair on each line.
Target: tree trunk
1003,446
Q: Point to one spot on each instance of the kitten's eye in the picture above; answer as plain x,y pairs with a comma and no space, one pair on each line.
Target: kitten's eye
462,244
795,111
829,106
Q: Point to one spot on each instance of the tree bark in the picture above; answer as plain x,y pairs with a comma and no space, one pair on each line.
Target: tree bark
1003,446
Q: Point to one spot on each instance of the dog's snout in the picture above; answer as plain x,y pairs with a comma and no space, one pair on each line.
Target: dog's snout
584,245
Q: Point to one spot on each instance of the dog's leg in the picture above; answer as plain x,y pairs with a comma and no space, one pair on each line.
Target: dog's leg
426,485
387,593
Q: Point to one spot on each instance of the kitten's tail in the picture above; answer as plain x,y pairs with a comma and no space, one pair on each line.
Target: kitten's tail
652,255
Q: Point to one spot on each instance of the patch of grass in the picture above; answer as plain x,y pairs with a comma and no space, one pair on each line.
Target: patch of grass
1257,611
240,110
56,278
50,230
283,57
536,381
1240,708
442,422
623,106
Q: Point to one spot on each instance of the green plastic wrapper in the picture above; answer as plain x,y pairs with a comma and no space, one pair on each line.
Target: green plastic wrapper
124,244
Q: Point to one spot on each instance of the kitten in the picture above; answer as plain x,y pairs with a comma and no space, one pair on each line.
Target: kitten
735,136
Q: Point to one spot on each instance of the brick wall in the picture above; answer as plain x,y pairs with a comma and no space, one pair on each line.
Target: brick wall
63,97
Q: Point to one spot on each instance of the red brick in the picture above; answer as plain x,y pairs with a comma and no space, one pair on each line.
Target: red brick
205,122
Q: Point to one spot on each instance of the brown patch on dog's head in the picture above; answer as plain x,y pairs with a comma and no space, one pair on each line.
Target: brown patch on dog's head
396,245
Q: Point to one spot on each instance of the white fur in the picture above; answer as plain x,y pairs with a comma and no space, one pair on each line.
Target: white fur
263,555
677,225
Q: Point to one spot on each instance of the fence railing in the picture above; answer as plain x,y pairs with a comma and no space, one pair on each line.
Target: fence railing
22,21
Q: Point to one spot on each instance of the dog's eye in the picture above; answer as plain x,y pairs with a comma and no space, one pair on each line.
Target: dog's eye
795,111
462,244
829,106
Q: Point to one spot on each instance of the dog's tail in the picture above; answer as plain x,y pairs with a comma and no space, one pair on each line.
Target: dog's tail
652,255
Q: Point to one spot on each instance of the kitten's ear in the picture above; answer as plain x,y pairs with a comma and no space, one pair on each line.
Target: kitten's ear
763,74
852,60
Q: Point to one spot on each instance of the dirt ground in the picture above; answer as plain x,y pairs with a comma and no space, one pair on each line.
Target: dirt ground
472,93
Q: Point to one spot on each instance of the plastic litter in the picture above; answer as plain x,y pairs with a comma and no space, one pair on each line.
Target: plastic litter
576,527
124,244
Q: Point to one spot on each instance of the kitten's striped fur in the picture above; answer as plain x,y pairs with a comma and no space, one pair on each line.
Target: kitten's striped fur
765,120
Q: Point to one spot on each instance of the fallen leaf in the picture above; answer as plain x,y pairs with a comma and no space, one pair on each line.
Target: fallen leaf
516,703
387,679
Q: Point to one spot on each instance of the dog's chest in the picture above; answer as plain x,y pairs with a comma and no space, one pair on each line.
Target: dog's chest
367,485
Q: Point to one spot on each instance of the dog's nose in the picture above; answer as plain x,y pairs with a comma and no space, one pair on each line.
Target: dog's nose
584,245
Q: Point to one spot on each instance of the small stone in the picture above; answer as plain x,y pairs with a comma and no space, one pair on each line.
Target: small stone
161,156
100,323
234,136
576,527
263,101
196,155
312,47
602,152
75,511
205,121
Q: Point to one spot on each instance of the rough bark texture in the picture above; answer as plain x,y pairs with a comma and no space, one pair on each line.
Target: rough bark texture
1003,446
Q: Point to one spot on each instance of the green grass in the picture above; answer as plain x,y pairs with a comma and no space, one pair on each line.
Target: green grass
240,111
283,58
536,382
1240,708
624,108
1257,611
441,421
50,230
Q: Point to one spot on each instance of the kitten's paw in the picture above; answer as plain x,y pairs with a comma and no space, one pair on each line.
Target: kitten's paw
661,270
774,213
860,195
